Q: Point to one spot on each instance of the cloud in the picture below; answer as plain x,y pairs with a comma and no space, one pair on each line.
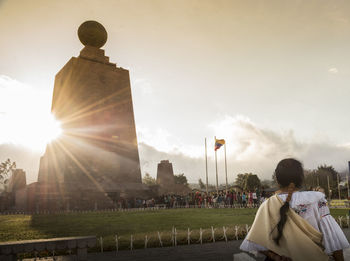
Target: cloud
143,85
164,141
25,114
249,149
333,70
246,140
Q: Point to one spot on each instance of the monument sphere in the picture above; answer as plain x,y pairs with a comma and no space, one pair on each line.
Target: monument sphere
92,33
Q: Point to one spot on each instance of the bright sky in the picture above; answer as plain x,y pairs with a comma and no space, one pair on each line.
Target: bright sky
270,77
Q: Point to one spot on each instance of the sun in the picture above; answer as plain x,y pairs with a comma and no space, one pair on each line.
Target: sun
44,130
31,130
52,129
25,116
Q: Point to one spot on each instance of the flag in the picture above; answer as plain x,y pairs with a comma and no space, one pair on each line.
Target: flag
218,144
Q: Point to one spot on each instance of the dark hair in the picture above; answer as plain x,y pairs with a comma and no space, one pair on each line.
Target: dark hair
289,173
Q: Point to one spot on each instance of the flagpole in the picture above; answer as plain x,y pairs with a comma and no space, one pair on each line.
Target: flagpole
329,189
206,166
216,169
347,178
338,186
226,168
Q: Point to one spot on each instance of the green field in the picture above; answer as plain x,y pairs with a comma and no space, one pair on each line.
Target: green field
125,224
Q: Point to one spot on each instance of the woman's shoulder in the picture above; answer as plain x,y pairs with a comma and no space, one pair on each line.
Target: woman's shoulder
307,197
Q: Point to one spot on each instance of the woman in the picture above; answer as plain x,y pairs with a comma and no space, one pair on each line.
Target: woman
293,225
244,199
239,199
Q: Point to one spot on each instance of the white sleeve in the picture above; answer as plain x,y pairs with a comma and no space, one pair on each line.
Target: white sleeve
333,236
250,246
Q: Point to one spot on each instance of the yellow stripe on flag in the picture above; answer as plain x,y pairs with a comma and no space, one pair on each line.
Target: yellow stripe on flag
222,142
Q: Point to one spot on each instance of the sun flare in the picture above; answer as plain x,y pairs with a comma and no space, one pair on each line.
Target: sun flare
46,129
25,117
52,129
33,132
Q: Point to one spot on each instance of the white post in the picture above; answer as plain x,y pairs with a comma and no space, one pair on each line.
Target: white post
347,220
213,234
201,235
101,244
131,242
225,236
247,228
188,236
116,243
160,240
340,221
236,232
146,241
175,237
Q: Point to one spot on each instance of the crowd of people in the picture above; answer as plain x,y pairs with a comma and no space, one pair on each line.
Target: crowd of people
231,198
245,199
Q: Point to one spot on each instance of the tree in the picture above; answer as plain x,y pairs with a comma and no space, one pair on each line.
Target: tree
274,180
248,181
240,180
6,169
180,179
201,184
322,173
266,183
310,179
148,180
253,182
319,177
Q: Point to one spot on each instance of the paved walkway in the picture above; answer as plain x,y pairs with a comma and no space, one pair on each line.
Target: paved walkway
219,251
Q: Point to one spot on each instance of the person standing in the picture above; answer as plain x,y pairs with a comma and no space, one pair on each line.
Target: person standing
295,225
255,199
244,200
250,199
239,199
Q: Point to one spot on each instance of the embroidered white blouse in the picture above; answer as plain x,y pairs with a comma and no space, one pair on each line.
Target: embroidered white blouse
312,206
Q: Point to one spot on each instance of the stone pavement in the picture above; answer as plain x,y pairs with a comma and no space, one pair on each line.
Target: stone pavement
219,251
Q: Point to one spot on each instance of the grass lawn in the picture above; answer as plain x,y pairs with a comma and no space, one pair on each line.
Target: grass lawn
124,224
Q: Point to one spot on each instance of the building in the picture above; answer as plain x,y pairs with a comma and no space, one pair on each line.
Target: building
95,161
166,181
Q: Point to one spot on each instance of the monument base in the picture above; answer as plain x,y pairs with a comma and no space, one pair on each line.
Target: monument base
176,189
38,197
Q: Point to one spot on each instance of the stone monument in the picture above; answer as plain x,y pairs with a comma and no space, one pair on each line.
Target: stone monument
97,153
18,180
165,173
166,180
